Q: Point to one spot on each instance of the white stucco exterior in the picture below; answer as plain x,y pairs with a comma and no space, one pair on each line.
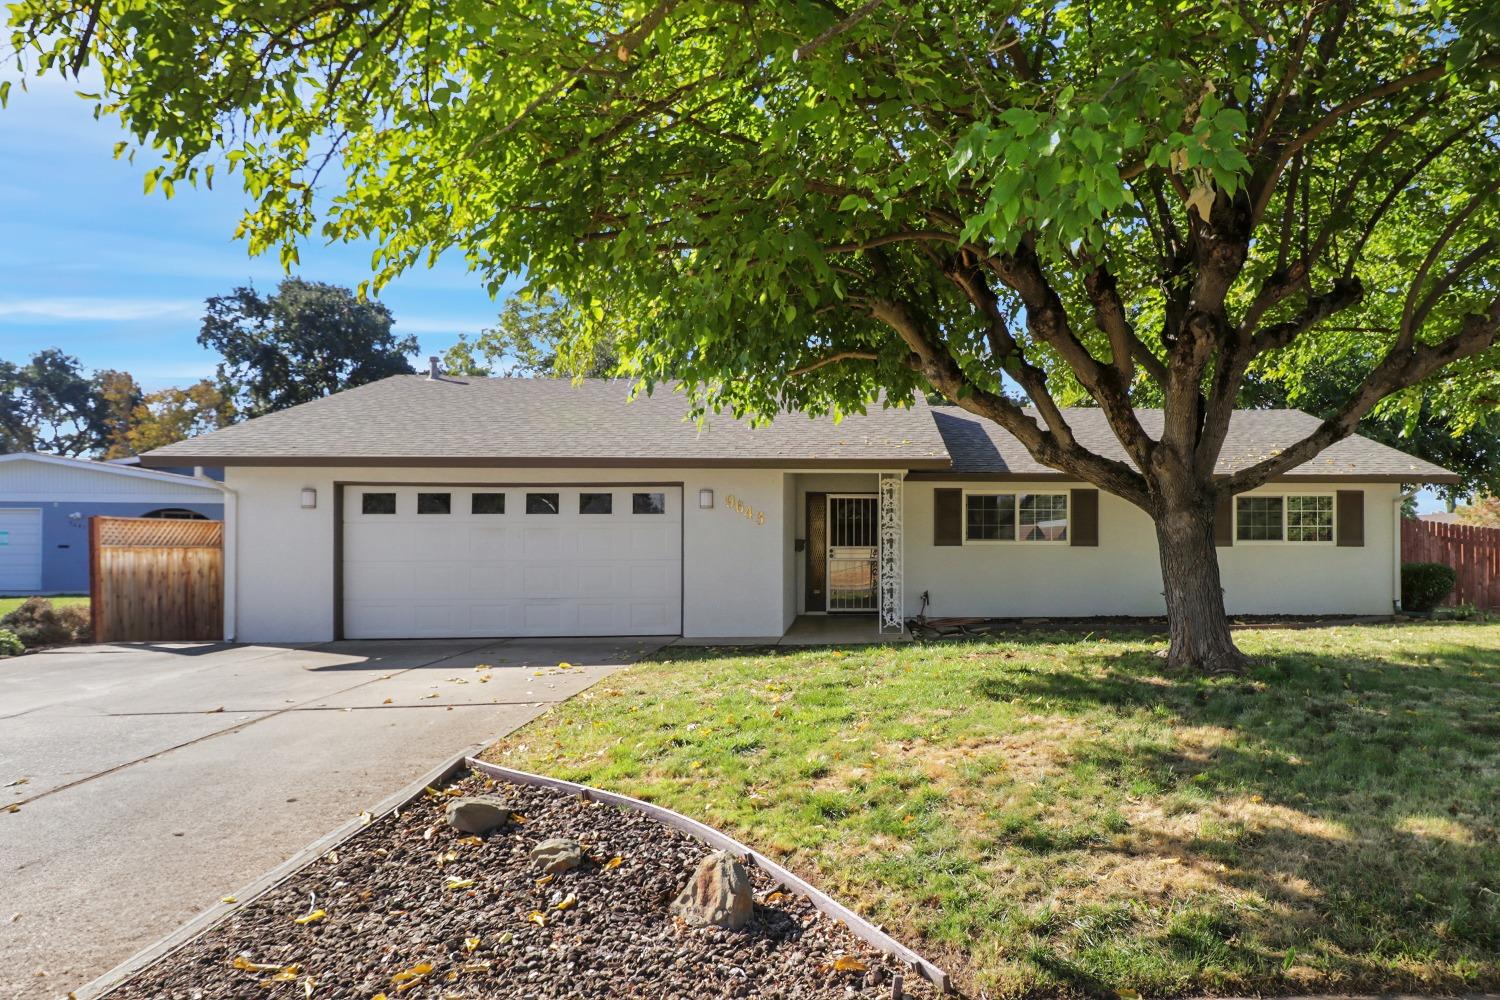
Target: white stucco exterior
743,574
734,579
1122,575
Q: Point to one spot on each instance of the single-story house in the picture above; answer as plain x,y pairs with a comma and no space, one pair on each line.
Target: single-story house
424,506
46,502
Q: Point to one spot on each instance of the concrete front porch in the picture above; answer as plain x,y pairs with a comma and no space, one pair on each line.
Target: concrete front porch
814,630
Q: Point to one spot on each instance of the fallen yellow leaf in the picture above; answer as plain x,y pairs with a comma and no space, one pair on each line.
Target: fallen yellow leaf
471,943
613,863
241,962
312,918
545,879
537,917
386,702
471,841
364,819
415,972
229,899
568,903
458,883
565,665
848,963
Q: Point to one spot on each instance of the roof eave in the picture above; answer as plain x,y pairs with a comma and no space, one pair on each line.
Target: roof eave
494,462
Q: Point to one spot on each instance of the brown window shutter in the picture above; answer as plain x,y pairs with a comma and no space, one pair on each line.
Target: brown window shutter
1085,517
1224,521
947,517
1349,514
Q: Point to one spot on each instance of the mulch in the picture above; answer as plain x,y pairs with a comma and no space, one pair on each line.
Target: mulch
416,911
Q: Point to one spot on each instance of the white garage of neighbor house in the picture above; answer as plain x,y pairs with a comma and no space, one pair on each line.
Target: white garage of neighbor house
425,507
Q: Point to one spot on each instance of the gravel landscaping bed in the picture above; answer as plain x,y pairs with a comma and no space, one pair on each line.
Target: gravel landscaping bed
412,908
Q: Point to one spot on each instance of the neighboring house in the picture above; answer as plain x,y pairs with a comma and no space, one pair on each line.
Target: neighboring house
46,502
211,471
1441,517
420,507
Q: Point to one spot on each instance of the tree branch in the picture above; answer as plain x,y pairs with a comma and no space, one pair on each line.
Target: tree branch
833,359
1399,369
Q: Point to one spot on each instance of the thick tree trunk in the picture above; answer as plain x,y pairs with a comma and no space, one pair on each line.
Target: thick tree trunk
1201,641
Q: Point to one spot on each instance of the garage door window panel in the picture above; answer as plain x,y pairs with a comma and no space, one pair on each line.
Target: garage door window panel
648,503
377,503
487,503
434,503
542,503
596,503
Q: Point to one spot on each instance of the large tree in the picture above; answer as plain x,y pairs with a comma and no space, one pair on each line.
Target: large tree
173,414
50,405
800,203
537,336
303,341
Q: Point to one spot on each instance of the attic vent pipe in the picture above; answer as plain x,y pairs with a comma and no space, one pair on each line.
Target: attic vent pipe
433,372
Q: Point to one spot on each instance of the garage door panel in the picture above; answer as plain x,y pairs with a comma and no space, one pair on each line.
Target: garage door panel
20,549
374,581
511,573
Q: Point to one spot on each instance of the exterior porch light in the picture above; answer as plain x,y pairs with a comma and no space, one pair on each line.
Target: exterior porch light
705,499
309,498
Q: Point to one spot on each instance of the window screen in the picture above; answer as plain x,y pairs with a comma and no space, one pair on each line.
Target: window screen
1258,519
1044,517
990,517
1309,519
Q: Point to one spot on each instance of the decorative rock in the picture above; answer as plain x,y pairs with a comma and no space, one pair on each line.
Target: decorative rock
557,855
479,814
718,895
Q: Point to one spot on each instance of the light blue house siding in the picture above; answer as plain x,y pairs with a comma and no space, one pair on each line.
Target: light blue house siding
46,502
65,536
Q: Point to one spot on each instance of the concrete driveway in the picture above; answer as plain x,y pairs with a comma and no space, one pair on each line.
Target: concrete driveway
156,779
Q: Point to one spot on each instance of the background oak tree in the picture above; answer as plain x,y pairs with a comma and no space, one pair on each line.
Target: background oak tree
797,204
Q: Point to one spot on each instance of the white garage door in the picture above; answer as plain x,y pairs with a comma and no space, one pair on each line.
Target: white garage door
432,561
20,550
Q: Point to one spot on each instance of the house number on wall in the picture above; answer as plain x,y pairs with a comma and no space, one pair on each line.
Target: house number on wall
746,511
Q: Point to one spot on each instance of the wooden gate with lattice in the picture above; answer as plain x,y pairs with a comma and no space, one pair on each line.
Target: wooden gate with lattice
156,580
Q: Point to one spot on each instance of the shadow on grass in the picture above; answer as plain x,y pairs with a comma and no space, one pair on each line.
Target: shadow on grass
1356,800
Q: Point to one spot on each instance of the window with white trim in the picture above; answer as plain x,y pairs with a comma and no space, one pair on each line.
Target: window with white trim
1291,518
1044,517
1015,517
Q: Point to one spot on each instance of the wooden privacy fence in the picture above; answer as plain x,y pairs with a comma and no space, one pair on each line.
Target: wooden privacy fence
156,580
1472,551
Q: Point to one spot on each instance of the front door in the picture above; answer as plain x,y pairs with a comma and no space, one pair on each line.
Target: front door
853,551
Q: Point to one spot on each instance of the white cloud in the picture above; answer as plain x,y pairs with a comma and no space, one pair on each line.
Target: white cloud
99,309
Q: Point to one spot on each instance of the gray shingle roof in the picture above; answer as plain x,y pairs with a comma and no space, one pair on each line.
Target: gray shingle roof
980,447
413,420
410,419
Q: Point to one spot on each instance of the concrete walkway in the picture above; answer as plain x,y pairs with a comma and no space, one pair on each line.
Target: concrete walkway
153,780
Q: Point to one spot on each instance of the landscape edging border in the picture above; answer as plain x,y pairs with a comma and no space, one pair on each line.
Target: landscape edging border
107,983
858,926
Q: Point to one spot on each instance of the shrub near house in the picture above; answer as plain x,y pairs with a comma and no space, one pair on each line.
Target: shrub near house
38,623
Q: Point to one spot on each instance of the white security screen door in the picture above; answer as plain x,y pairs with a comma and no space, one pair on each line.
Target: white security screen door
853,551
435,561
20,550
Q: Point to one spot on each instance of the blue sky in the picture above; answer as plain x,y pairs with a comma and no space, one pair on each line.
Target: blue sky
90,264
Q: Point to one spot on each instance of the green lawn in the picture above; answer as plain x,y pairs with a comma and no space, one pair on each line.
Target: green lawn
9,604
1050,814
